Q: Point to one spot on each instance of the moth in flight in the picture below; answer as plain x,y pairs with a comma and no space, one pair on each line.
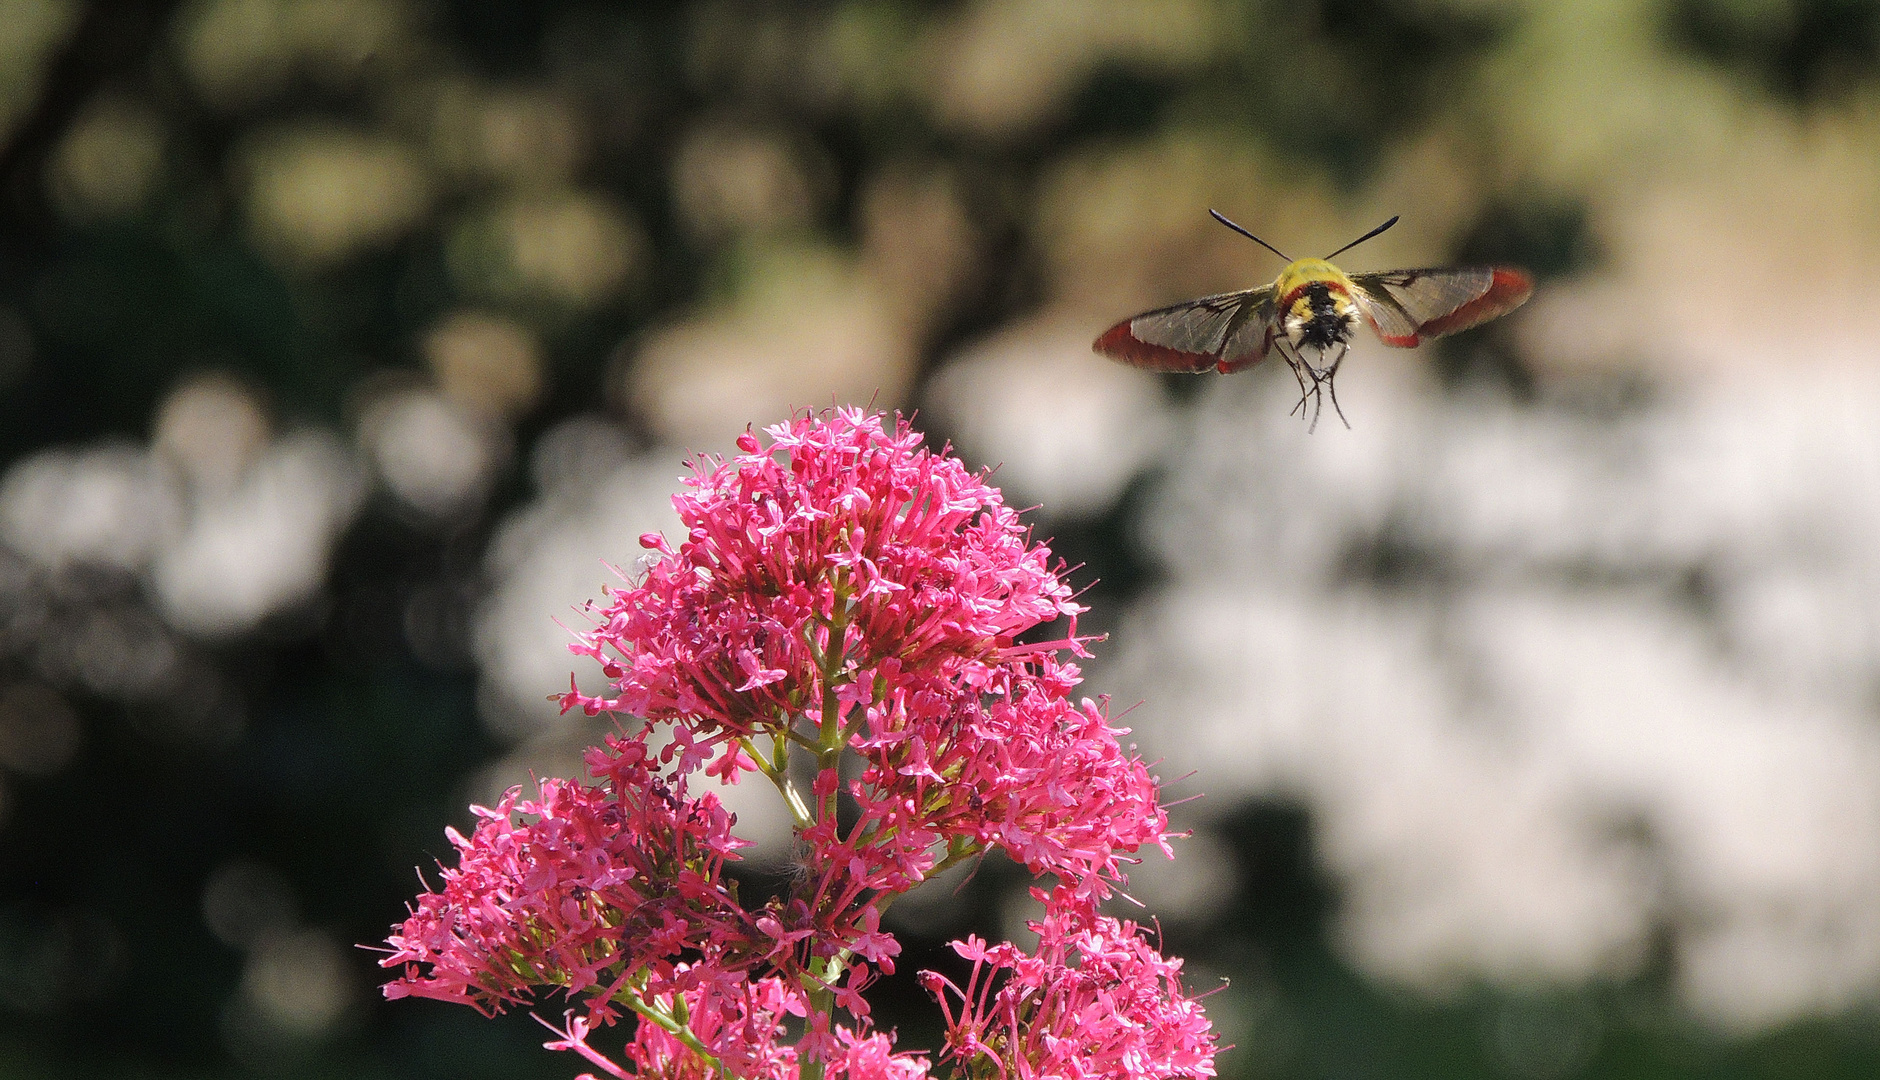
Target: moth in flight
1314,305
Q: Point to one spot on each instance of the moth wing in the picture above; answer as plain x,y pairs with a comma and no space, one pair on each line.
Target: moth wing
1227,332
1407,307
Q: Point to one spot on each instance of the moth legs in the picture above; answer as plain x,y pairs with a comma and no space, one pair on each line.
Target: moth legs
1325,376
1322,382
1299,369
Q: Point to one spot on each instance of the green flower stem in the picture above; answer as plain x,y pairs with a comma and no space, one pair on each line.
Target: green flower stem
822,999
671,1025
831,738
777,769
832,660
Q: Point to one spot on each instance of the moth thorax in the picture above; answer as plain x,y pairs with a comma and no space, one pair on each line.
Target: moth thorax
1321,317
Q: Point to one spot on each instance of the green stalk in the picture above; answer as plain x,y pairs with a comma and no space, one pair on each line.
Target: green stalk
777,770
671,1026
831,738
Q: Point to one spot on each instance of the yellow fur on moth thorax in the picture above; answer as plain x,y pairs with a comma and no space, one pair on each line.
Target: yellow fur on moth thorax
1303,272
1315,304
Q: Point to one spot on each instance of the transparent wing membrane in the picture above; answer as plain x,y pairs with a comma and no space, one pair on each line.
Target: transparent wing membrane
1409,306
1229,329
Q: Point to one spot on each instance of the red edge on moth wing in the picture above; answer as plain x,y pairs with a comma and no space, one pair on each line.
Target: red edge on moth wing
1228,367
1509,290
1119,344
1400,341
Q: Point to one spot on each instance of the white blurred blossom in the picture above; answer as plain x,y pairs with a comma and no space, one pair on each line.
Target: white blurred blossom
810,330
211,429
295,991
546,560
1549,678
264,546
485,363
1066,429
435,457
107,506
226,526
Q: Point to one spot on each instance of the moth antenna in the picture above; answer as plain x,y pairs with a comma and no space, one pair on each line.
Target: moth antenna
1222,218
1363,238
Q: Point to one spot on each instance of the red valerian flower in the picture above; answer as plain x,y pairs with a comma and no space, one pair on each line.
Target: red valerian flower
839,592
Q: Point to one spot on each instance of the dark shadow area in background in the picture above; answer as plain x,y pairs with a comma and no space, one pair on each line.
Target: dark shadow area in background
1802,50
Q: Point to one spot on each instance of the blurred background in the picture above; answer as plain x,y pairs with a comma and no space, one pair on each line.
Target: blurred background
1534,720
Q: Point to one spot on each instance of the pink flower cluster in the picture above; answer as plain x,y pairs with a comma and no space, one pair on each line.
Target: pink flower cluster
845,595
1095,1000
583,889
